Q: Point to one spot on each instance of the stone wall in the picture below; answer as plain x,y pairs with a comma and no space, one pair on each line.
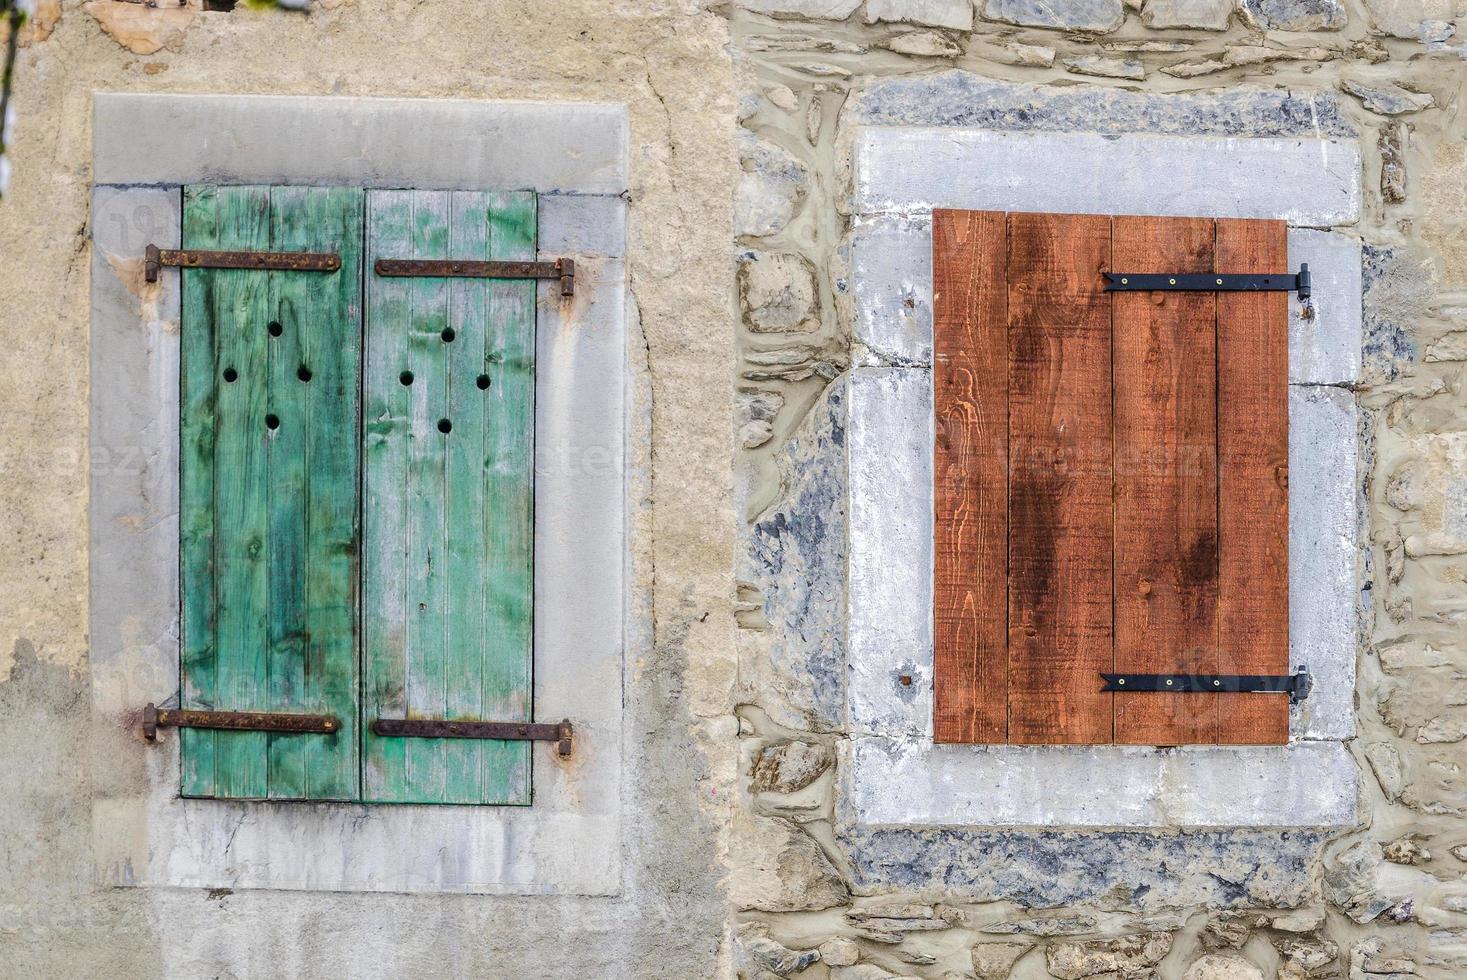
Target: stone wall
817,896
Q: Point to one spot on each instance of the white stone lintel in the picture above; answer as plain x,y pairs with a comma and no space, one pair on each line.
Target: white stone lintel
1311,183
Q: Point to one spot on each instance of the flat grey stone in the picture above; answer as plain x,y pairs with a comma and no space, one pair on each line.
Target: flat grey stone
1206,15
1412,20
1386,98
956,14
582,224
925,44
1103,67
769,190
1100,16
777,292
1046,868
1295,15
961,98
1325,333
1306,182
794,561
813,9
1324,582
283,139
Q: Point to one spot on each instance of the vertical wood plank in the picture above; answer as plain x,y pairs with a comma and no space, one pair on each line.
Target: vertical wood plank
387,442
328,374
1060,479
285,461
465,500
508,455
241,557
427,554
1165,409
198,378
449,521
970,553
268,583
1253,459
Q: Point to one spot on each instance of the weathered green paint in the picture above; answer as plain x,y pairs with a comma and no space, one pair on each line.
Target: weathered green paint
448,516
269,528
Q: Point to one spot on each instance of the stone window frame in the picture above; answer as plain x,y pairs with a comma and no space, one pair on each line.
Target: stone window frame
575,156
893,775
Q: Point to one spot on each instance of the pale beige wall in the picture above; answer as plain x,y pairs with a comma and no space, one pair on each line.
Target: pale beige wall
666,63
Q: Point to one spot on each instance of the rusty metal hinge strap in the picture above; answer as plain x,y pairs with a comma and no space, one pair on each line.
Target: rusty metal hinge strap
155,258
562,269
1296,685
155,718
523,731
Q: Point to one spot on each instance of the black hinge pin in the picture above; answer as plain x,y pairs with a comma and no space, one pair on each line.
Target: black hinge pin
155,718
1296,685
562,732
154,258
562,269
1217,282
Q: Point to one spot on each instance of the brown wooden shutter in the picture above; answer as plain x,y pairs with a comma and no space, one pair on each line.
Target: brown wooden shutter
1111,479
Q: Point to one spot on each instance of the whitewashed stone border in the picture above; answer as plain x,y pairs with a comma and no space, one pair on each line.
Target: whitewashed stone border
144,833
894,775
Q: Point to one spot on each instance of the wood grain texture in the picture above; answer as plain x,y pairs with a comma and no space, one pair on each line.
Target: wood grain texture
1165,411
970,546
268,526
1253,459
448,496
1059,479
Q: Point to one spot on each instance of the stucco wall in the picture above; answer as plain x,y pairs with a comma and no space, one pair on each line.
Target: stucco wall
745,324
665,63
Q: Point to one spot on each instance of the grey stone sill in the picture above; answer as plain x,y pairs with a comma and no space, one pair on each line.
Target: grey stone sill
911,782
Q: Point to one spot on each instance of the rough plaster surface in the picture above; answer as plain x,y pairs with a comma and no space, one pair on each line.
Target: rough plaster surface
58,919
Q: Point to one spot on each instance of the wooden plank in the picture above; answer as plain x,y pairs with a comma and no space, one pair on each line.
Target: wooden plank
449,512
509,460
970,553
268,574
1165,416
197,378
331,342
1059,479
387,442
1253,460
241,476
427,485
285,463
465,500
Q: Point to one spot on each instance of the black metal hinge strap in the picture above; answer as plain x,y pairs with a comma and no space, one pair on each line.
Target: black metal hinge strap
562,269
154,258
155,718
522,731
1296,685
1217,282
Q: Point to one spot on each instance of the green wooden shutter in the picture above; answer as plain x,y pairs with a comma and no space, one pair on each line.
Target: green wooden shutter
448,428
270,382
